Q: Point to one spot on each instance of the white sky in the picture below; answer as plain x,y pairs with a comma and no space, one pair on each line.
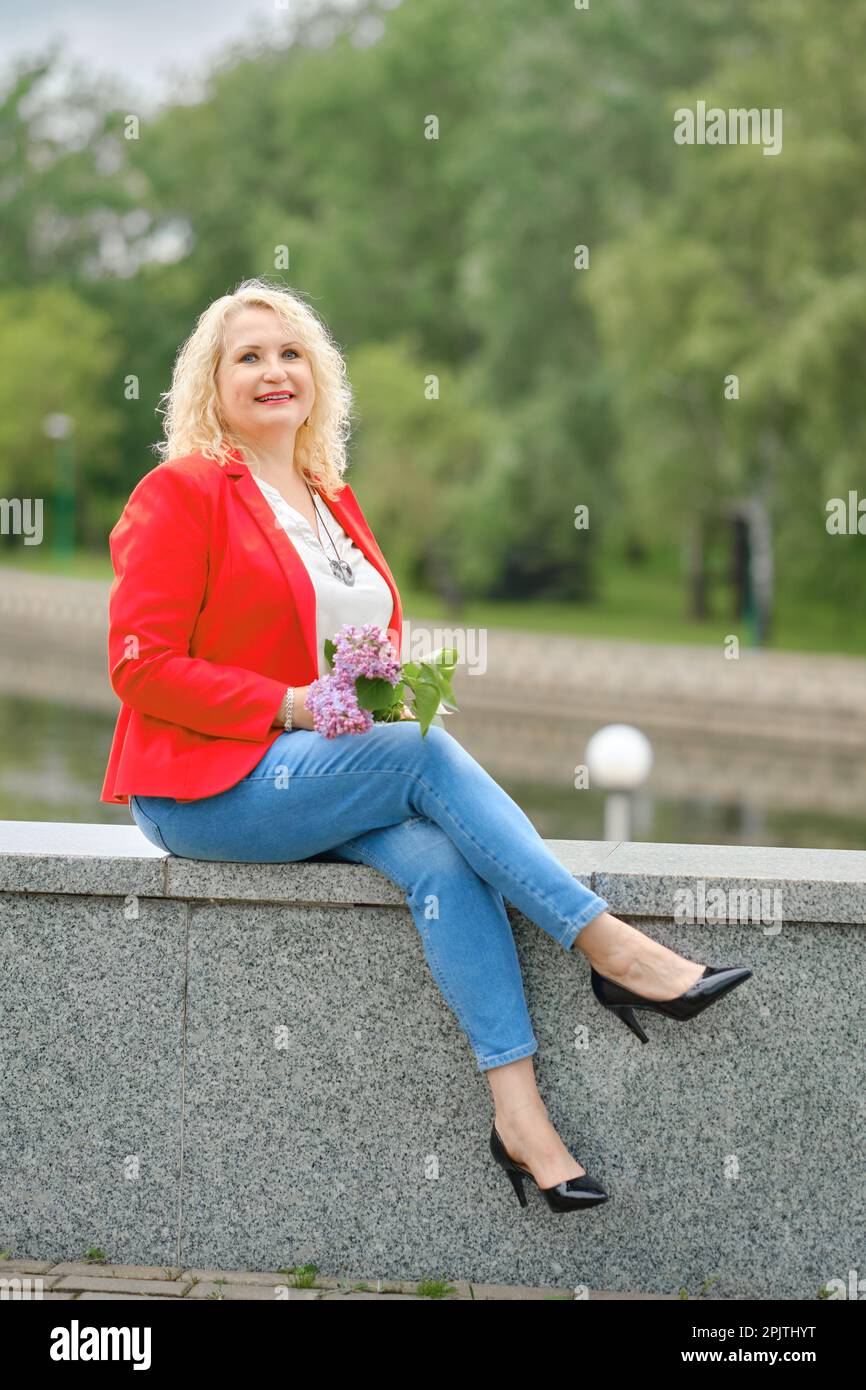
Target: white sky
154,49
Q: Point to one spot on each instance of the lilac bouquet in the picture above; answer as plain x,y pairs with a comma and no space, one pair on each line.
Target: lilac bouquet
368,683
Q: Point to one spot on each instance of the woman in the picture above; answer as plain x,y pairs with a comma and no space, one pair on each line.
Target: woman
235,559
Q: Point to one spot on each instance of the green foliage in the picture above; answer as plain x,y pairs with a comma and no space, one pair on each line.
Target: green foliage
58,355
497,387
430,683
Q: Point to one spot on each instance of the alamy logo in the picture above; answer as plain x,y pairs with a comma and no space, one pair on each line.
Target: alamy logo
76,1343
22,516
739,126
17,1287
847,520
711,903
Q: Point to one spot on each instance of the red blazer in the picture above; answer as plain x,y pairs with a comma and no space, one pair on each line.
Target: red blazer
212,613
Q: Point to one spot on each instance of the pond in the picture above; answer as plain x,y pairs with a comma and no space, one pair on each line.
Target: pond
53,758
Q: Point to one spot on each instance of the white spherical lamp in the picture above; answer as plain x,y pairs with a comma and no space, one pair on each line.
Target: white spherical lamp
618,759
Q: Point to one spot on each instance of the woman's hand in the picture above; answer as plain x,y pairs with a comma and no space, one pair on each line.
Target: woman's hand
302,718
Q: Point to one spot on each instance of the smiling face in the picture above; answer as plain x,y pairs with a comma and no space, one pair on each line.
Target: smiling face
262,359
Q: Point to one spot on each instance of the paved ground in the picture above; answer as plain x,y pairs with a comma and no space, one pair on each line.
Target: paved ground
91,1280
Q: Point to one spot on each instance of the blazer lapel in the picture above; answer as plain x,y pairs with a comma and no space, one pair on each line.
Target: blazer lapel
344,510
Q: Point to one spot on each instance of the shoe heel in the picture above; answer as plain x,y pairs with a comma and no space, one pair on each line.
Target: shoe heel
517,1184
627,1015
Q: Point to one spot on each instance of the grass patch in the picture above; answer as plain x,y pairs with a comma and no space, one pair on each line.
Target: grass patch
646,603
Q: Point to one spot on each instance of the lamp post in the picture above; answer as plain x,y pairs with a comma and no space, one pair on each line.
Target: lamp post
60,428
618,758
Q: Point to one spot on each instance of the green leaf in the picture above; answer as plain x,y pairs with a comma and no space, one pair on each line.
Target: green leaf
426,705
374,692
391,714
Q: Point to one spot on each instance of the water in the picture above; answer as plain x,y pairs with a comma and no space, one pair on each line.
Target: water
53,758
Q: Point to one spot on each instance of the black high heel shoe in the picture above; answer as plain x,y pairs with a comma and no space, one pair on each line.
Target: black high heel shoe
573,1194
715,982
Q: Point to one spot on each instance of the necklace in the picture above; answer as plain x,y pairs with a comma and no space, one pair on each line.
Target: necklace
341,569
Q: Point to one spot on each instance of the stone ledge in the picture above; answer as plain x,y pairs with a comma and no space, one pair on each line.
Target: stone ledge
815,886
269,1075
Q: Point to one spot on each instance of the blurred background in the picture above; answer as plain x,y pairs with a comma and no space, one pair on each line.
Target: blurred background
607,385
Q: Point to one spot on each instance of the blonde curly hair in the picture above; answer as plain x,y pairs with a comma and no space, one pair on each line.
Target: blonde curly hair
192,417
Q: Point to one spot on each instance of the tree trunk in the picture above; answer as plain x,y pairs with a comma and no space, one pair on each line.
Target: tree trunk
739,574
762,577
697,571
443,582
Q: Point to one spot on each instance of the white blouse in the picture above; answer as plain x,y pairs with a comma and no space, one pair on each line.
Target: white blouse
368,600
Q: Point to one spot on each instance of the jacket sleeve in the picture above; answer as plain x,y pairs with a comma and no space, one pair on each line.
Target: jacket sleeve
159,551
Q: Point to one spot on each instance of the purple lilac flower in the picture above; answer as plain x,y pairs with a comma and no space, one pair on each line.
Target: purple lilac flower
335,707
333,700
365,651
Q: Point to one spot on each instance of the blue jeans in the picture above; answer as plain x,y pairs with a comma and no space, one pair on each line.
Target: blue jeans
426,815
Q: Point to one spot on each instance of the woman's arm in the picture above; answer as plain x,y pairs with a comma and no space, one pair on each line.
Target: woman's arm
159,550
